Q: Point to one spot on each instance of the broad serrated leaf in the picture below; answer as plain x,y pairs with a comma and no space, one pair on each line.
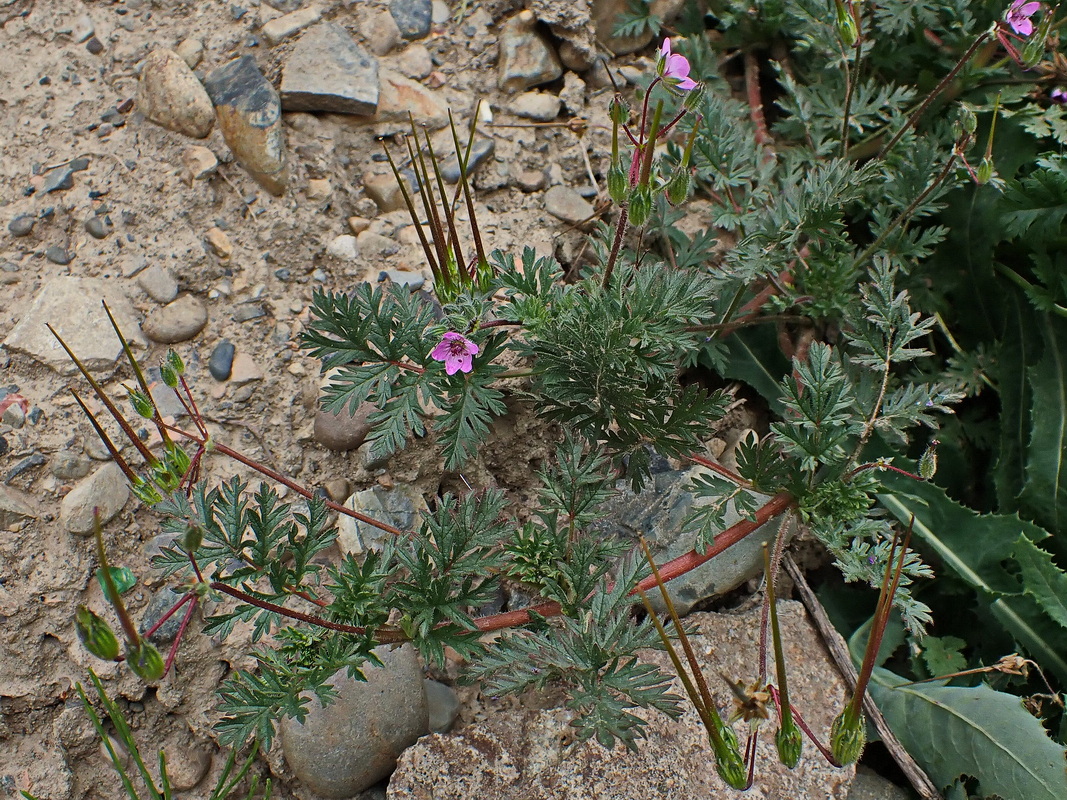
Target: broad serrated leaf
955,730
753,356
1044,495
1044,581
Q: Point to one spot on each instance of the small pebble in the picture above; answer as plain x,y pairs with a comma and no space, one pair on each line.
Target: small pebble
3,446
98,226
22,225
94,46
249,312
343,247
26,464
566,204
58,255
178,321
59,179
162,602
70,466
13,416
480,151
412,17
412,280
221,362
443,706
343,431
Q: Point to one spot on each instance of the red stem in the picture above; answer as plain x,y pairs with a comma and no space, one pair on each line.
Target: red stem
177,639
185,599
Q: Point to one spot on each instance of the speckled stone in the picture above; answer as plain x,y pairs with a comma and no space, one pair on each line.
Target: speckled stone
173,97
354,742
177,321
343,431
412,17
106,490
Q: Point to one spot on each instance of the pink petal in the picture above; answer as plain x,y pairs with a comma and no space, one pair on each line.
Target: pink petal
440,353
665,50
471,347
1023,27
677,67
1029,9
686,84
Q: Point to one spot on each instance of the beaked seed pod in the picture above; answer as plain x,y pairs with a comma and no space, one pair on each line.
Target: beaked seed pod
790,743
640,205
618,184
96,634
848,735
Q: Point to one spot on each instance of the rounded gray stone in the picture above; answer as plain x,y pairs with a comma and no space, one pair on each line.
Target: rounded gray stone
98,227
22,225
443,705
158,283
177,321
105,490
354,742
566,204
343,431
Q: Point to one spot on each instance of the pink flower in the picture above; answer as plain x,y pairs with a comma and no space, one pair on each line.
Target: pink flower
676,69
1019,16
1058,95
456,351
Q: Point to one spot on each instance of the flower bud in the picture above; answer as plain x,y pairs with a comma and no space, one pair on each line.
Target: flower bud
174,361
1036,44
146,492
618,184
968,119
728,761
96,634
790,743
177,459
618,111
145,661
142,403
846,25
985,172
678,187
694,99
848,735
192,538
639,205
928,462
169,376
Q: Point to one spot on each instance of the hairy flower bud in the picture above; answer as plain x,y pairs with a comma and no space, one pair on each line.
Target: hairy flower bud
985,172
790,743
728,761
695,98
848,735
192,538
678,187
928,462
639,205
145,661
846,25
142,403
968,120
618,183
96,634
177,459
174,361
146,492
618,111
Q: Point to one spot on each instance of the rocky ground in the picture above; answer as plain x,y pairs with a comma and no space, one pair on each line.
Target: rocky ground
205,167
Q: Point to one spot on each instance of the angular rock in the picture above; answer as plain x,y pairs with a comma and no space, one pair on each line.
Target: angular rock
59,179
245,370
199,162
480,151
172,97
412,17
539,106
354,742
384,191
250,117
15,508
562,202
524,755
73,307
106,490
402,507
343,247
328,71
526,59
191,51
380,32
178,321
658,513
572,27
400,95
219,243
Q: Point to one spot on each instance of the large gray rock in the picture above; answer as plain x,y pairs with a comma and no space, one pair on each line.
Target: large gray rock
105,490
328,71
354,742
526,59
73,306
659,512
523,754
402,507
171,95
250,117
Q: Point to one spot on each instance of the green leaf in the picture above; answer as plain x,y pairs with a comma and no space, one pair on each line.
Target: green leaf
942,654
1044,581
1044,495
753,356
1017,348
124,581
954,730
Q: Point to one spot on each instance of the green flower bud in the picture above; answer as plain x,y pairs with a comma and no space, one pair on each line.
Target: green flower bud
145,661
639,205
162,475
96,634
694,98
790,743
729,763
618,111
846,25
678,187
174,361
618,183
985,172
142,403
848,735
178,460
968,119
192,538
169,376
928,462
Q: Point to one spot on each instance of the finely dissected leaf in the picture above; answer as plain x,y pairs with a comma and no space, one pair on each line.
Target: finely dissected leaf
955,730
978,548
1043,580
1037,205
1044,494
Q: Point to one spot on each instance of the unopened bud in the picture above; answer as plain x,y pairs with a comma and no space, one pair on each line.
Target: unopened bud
146,492
174,361
728,761
678,187
178,460
848,735
169,376
985,172
1036,44
928,462
968,120
694,98
96,634
639,205
145,661
846,25
192,538
142,403
618,111
618,183
790,743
